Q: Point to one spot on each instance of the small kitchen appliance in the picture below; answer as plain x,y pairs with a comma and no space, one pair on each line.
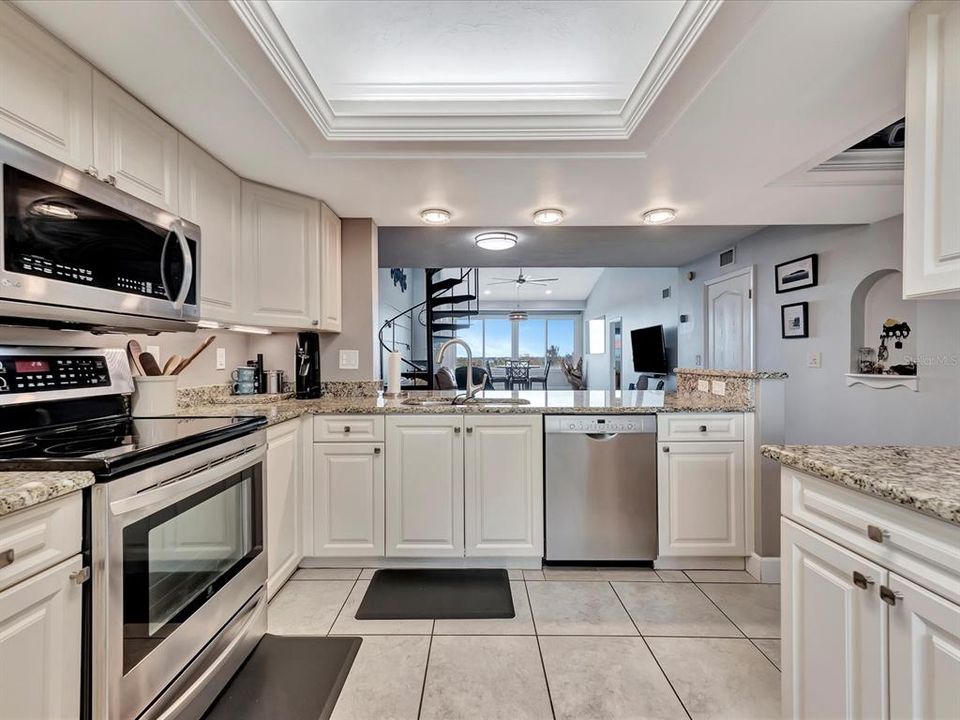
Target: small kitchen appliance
308,365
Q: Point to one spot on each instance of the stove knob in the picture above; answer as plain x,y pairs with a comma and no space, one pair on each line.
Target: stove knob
572,426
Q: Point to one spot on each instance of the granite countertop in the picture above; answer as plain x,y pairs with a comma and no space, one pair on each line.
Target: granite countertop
925,479
19,490
552,402
746,374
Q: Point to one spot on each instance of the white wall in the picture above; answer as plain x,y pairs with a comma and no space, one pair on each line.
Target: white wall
820,408
635,294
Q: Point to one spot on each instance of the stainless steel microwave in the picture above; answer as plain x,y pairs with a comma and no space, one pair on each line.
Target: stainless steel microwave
76,252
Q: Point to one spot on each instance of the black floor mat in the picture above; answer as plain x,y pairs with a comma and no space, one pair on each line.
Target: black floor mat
432,594
294,678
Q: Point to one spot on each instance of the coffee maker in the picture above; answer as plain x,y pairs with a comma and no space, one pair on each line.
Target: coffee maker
308,365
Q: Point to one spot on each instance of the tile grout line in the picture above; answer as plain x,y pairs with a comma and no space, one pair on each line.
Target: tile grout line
342,605
426,669
543,665
720,609
652,653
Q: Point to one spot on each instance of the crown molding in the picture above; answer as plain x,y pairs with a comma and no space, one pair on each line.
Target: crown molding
573,117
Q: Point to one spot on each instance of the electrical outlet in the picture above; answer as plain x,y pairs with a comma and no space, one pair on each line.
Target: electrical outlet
718,387
221,358
155,351
813,360
698,360
703,385
349,359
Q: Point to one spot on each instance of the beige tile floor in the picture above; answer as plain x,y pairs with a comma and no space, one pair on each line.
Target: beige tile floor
585,644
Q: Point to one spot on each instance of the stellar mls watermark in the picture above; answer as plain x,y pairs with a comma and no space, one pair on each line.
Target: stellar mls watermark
935,360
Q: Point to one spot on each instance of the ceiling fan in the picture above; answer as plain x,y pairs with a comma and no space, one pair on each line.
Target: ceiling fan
522,279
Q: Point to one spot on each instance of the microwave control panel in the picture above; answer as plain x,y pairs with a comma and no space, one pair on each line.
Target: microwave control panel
29,374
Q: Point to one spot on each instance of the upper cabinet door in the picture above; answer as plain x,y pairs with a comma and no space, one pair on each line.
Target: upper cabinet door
281,234
133,148
210,197
45,92
931,179
330,286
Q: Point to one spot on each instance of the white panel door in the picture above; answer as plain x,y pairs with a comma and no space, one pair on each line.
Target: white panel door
40,632
834,630
424,486
924,654
700,507
210,197
283,512
281,243
503,485
45,92
931,174
330,268
348,499
133,148
730,323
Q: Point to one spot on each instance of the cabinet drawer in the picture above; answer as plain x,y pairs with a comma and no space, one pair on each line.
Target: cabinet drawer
709,426
348,428
39,538
921,548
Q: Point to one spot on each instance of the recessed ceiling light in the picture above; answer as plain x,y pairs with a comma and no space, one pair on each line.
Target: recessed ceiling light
548,216
659,216
548,292
435,216
498,240
487,292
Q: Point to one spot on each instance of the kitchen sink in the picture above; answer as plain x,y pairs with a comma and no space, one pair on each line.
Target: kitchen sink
435,401
497,401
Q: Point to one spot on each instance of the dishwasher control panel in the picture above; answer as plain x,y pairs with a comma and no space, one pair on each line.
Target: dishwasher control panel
600,423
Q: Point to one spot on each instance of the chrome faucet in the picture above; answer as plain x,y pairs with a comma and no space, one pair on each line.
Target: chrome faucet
472,390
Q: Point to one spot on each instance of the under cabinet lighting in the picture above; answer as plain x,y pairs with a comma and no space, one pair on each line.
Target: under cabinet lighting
659,216
251,329
498,240
208,325
548,216
435,216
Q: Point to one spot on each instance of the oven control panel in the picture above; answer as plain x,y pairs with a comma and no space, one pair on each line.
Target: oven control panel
43,373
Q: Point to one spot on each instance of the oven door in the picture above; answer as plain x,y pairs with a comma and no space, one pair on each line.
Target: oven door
182,548
76,250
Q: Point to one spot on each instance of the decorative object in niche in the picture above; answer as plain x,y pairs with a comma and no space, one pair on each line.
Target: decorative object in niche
795,321
573,373
796,274
399,277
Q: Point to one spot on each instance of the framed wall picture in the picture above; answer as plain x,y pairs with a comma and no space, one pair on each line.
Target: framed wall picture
796,274
795,321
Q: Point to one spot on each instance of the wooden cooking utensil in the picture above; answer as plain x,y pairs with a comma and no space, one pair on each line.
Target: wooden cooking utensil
133,355
172,363
193,356
149,364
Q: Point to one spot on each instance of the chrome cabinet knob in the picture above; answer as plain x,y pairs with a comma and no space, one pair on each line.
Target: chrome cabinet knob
314,322
666,448
92,171
877,534
111,180
703,428
346,428
469,430
456,431
376,451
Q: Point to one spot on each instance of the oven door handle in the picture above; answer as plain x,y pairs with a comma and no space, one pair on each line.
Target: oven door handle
164,493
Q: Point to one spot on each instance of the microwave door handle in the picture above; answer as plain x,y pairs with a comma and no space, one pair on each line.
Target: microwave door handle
177,231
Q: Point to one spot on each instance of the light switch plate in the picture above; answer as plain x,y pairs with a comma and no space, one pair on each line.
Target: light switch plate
349,359
814,360
221,358
718,387
155,351
703,385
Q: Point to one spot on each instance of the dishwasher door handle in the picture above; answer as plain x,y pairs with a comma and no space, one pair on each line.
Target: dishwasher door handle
601,436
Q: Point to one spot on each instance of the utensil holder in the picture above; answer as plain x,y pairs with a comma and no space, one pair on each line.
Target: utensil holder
154,395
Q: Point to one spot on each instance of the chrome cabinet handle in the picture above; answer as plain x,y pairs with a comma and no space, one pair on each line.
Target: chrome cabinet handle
877,534
703,428
92,171
456,430
666,448
889,596
314,322
346,428
80,576
7,557
376,451
862,581
469,430
111,180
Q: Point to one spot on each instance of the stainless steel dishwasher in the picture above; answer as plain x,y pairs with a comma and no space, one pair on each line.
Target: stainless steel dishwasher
601,487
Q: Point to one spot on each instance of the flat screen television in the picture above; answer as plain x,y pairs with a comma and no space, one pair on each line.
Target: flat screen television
649,351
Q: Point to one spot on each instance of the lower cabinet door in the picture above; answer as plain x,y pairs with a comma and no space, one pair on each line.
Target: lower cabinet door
424,486
924,653
834,630
503,485
40,626
282,491
700,508
348,499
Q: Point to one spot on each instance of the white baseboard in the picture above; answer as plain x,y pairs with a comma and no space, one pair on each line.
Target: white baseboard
413,562
699,563
764,569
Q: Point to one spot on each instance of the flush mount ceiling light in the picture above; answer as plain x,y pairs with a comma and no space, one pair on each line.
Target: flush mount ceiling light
548,216
435,216
548,292
498,240
659,216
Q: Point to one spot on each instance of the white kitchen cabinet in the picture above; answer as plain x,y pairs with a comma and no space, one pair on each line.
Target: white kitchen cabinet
45,92
931,177
209,195
328,279
40,641
700,505
834,629
132,147
283,499
503,485
281,237
348,499
424,486
924,652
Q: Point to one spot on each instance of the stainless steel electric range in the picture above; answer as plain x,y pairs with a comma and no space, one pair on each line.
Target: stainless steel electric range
174,528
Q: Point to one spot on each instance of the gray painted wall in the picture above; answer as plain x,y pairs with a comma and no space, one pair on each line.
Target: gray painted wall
635,294
820,408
